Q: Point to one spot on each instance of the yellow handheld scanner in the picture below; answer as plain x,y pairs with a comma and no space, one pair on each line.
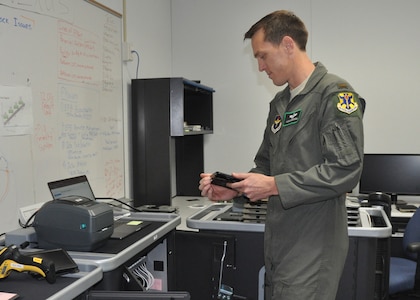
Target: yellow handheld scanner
12,260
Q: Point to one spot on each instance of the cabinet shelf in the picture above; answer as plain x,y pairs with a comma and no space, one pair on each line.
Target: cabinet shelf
191,103
198,132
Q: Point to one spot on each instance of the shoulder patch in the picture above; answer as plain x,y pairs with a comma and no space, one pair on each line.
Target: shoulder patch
346,103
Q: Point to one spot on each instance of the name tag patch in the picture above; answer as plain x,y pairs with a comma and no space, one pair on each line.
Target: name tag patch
292,117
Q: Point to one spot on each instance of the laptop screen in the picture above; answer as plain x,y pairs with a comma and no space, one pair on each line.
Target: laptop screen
75,186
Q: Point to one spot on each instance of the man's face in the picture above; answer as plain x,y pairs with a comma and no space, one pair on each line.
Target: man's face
272,59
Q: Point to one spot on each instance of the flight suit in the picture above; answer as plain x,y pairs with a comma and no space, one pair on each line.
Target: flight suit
313,146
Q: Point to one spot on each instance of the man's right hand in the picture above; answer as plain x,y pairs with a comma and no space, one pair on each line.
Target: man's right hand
215,192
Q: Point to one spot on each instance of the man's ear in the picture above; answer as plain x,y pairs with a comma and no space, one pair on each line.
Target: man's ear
288,43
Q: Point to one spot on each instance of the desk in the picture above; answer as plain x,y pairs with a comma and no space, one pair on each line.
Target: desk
187,206
365,275
399,221
395,213
66,287
102,269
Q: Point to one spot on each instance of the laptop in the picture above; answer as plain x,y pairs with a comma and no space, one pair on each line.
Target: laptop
79,186
75,186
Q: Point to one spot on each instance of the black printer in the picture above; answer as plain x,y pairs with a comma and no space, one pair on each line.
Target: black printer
73,223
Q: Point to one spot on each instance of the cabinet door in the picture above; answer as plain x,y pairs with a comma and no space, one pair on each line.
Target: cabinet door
198,260
189,164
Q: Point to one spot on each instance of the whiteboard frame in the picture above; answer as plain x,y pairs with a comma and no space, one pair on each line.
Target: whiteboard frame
104,7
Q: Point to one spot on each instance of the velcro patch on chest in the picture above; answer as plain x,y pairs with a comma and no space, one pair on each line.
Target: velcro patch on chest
292,117
275,127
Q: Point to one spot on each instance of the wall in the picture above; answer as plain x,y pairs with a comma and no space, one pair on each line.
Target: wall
369,43
372,44
208,45
148,30
375,46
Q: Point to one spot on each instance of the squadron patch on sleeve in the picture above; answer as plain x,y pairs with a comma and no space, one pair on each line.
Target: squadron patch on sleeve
346,103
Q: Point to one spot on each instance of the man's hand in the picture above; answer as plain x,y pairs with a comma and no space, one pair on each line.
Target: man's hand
215,192
255,186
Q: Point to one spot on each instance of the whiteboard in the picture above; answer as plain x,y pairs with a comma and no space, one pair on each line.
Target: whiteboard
61,102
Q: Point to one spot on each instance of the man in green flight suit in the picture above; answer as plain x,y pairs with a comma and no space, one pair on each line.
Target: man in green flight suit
310,156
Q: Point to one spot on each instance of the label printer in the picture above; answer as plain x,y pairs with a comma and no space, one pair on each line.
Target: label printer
73,223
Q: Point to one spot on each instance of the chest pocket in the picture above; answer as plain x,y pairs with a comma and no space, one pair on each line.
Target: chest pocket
295,129
301,132
296,146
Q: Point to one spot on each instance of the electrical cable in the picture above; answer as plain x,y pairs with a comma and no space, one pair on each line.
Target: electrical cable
28,222
149,277
138,63
221,264
122,202
228,291
144,275
139,269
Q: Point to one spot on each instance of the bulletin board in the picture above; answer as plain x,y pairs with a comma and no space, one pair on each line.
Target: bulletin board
61,102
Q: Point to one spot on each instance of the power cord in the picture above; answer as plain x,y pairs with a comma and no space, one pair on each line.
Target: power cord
138,63
122,202
28,223
225,291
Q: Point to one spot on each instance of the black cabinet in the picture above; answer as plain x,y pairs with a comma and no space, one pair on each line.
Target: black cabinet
198,264
169,117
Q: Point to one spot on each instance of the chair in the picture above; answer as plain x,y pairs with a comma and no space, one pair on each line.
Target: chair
404,275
